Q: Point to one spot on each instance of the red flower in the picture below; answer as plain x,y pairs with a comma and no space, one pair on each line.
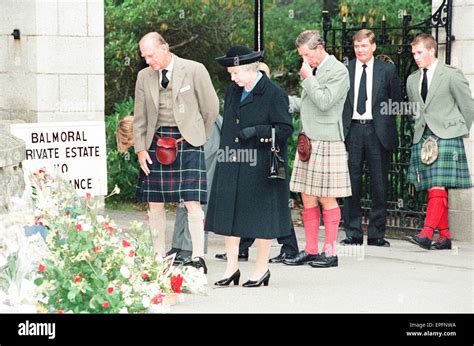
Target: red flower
77,279
88,195
78,227
158,299
125,243
105,304
41,170
41,268
110,289
60,312
176,282
98,248
131,253
68,212
145,276
107,226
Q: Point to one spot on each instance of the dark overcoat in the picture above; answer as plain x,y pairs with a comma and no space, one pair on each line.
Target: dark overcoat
244,202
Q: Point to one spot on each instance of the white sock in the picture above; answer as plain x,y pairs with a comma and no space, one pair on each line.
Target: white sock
196,228
157,220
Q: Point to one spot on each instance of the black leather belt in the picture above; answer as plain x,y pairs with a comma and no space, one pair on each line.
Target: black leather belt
362,121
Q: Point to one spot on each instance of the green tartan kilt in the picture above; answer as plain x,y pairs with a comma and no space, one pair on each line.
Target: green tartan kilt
449,170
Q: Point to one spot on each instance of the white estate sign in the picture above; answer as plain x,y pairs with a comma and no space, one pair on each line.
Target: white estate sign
75,149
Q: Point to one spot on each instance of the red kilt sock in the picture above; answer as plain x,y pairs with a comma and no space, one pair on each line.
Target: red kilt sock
443,226
332,218
434,212
311,221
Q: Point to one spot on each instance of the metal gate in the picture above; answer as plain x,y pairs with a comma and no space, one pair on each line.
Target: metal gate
406,207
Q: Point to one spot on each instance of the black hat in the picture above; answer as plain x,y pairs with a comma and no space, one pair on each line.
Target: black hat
239,55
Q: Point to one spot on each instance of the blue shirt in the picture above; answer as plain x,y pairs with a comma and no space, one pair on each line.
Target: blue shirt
246,93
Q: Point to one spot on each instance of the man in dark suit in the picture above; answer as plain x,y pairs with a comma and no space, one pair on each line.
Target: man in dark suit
370,134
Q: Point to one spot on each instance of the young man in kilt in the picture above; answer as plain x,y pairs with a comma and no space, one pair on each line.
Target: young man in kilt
325,176
446,114
174,97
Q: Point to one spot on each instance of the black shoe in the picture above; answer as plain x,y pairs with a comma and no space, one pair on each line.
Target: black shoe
226,282
172,251
351,241
181,257
423,242
378,242
280,258
243,256
196,262
301,258
265,279
324,261
444,244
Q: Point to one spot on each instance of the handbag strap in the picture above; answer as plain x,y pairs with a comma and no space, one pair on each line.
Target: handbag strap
274,146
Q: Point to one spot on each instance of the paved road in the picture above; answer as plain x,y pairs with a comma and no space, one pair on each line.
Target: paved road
402,278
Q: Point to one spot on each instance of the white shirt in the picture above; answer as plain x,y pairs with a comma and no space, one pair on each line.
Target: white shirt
326,58
369,71
429,74
168,68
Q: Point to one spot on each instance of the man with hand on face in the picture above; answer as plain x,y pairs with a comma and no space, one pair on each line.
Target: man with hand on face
446,114
325,175
174,98
370,136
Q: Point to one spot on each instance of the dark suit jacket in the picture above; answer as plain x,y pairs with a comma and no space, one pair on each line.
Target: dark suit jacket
385,86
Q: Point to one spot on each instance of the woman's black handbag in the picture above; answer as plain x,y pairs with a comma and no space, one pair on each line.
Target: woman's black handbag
277,164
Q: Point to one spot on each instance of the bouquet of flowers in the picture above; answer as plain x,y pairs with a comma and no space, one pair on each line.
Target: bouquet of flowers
19,256
92,265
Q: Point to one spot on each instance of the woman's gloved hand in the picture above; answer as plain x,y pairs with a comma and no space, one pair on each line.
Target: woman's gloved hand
248,133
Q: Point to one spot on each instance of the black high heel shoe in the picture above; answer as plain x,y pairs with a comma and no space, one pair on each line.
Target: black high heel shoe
226,282
264,279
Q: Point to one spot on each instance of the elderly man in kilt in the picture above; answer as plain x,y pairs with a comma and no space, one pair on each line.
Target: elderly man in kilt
325,176
174,98
446,114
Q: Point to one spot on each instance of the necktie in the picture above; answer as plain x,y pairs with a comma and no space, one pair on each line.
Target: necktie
164,80
362,97
314,71
424,85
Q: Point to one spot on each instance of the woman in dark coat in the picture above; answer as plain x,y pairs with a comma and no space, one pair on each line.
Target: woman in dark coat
244,202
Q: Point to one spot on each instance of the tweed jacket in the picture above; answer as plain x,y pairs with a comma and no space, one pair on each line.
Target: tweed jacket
449,107
322,102
195,103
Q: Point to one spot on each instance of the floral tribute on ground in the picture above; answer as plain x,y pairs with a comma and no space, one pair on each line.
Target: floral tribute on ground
86,263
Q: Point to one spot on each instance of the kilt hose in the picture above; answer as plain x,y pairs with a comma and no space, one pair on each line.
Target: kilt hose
184,180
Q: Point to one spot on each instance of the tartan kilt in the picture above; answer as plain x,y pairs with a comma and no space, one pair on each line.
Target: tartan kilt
184,180
449,170
326,174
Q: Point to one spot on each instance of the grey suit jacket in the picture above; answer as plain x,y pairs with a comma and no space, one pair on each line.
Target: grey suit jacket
322,102
195,103
449,107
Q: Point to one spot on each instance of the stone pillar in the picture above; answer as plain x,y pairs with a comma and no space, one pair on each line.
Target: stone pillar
461,202
55,71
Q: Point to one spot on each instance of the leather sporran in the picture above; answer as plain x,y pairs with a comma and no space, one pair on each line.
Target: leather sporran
429,151
304,147
277,164
167,150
